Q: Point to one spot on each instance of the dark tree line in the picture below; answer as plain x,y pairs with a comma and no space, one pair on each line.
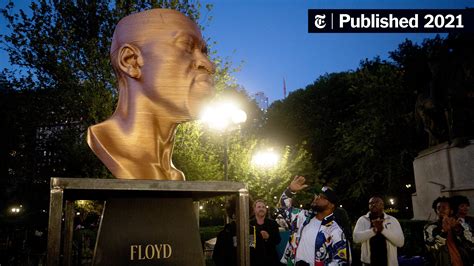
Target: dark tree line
365,127
61,83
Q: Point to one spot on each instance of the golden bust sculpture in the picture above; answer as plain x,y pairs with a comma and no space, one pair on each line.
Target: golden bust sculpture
164,77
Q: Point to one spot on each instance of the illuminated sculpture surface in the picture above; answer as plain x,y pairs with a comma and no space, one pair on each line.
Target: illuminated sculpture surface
164,78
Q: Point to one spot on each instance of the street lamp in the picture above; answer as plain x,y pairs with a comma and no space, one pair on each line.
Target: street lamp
225,117
15,210
392,201
265,159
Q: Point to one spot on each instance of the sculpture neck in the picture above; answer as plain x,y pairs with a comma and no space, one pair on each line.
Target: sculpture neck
139,146
150,134
137,141
134,99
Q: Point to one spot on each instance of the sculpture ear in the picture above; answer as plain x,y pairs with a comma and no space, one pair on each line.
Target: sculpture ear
130,60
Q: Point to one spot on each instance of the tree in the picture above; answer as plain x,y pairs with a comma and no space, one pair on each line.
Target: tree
439,73
61,83
50,103
199,153
376,144
355,124
62,56
196,154
361,126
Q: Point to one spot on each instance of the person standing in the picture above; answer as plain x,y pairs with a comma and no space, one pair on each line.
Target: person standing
380,235
465,226
266,237
444,243
461,208
315,237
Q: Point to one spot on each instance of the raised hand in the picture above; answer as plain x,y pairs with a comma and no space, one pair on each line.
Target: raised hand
297,184
448,223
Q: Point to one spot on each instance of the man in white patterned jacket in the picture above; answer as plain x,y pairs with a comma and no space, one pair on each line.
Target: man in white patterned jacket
315,238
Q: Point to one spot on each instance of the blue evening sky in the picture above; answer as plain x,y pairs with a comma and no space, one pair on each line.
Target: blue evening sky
271,38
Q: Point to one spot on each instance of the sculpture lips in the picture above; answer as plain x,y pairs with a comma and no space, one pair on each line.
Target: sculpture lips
204,83
200,78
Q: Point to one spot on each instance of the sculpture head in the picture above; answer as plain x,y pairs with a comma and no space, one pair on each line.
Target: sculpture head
164,77
160,56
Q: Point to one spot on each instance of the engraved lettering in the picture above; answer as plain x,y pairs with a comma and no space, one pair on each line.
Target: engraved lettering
158,249
150,251
147,253
140,253
167,247
133,251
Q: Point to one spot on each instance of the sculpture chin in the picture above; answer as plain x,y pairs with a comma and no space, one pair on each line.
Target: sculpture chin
197,105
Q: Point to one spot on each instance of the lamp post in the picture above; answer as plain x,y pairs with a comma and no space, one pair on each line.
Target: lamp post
15,210
226,156
225,117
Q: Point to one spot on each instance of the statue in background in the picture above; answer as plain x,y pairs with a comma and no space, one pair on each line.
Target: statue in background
445,105
432,119
164,77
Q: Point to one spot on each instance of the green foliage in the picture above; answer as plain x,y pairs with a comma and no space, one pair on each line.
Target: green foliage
377,136
440,73
89,206
197,154
199,151
212,212
361,127
223,78
268,184
62,83
65,43
208,232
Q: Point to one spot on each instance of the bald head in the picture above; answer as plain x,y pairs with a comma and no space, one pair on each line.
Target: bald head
159,55
150,25
164,78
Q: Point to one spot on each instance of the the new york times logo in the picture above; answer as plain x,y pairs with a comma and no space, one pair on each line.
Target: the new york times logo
319,21
390,20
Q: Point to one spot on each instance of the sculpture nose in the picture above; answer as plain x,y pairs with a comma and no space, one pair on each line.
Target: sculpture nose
203,62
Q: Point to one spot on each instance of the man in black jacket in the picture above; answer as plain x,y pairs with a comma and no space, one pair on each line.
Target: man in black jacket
265,236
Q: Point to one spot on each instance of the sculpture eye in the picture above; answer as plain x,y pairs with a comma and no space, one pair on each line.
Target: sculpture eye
187,44
205,50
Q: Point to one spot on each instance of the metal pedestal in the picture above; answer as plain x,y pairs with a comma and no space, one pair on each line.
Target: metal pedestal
64,191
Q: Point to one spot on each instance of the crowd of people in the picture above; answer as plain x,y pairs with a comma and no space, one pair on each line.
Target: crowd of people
323,234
